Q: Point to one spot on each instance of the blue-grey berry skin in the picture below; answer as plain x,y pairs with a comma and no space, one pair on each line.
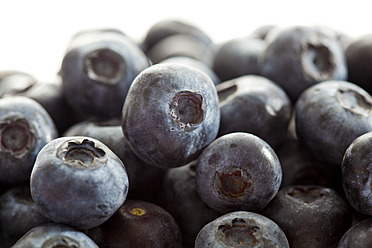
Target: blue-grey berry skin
357,174
181,45
241,229
78,181
25,127
238,171
169,27
144,180
255,105
194,63
298,57
359,235
170,114
238,57
329,116
54,235
97,70
18,214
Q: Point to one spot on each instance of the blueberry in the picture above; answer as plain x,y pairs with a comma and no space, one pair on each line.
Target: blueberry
194,63
138,224
18,214
25,127
140,174
310,216
51,97
301,168
357,173
358,57
179,197
238,57
85,34
14,82
255,105
238,171
170,114
329,116
262,32
165,28
78,181
241,229
97,70
181,45
298,57
359,235
54,235
342,38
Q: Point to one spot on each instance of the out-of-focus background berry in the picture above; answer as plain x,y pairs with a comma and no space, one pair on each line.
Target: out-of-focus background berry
34,34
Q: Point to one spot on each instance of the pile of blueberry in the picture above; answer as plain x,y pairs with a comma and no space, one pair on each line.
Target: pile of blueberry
261,141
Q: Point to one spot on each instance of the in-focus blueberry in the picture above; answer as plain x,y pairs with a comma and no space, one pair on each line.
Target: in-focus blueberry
170,114
238,171
78,181
53,235
241,229
329,116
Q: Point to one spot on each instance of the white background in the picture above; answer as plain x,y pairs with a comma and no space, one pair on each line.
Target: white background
34,33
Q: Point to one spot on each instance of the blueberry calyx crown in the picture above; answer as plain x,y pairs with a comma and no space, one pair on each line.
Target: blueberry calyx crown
317,61
186,109
239,233
227,91
137,211
307,195
81,154
16,136
60,242
354,102
233,185
104,66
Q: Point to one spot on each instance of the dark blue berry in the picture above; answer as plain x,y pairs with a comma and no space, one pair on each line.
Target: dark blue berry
310,216
357,173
